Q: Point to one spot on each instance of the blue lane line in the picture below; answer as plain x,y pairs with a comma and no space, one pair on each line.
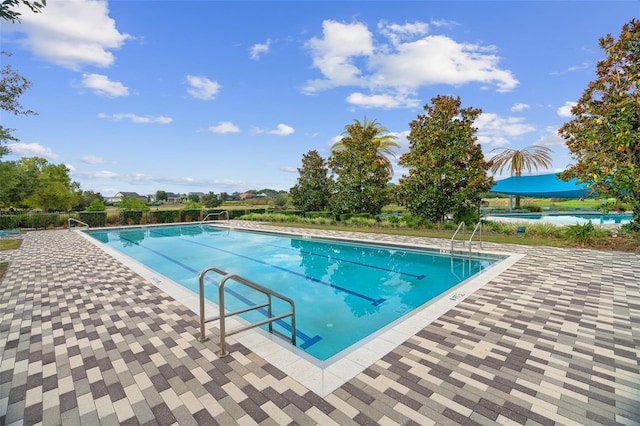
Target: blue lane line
308,341
374,302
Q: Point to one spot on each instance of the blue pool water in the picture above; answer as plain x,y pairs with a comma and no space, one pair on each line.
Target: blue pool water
343,291
573,218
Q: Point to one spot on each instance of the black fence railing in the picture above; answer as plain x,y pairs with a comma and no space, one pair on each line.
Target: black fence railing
52,220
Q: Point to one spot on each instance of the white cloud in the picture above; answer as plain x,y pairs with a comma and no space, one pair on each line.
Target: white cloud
31,150
519,107
281,130
101,85
92,159
347,55
224,127
258,49
72,33
565,110
333,54
202,87
382,101
496,131
137,119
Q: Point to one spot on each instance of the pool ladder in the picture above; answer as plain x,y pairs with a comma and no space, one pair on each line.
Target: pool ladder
218,214
477,229
223,315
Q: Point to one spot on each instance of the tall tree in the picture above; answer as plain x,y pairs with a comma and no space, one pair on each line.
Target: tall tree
362,172
517,160
54,189
313,189
382,139
604,135
12,86
447,170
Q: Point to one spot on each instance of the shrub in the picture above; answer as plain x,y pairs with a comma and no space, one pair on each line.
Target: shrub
8,222
93,218
130,217
164,216
584,234
532,208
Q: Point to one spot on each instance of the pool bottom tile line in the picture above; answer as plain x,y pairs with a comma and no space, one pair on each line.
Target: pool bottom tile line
323,377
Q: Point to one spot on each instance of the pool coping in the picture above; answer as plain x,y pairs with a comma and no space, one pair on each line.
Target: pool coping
324,377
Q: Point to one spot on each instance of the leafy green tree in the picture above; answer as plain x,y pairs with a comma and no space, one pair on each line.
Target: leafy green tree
8,10
447,170
193,197
162,196
362,173
132,203
48,186
211,200
97,205
313,189
86,198
281,200
517,160
604,135
12,86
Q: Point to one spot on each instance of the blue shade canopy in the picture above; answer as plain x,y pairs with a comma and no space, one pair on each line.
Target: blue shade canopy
541,186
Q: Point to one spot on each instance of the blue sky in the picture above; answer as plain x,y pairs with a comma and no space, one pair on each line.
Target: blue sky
227,96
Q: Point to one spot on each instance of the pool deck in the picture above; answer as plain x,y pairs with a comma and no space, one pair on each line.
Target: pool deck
85,339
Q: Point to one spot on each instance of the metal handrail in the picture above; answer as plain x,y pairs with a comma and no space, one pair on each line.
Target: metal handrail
222,317
225,212
461,225
77,221
478,226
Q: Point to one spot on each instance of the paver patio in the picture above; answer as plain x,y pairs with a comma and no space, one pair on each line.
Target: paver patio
554,339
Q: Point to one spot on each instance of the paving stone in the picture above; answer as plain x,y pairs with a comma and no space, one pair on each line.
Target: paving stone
85,340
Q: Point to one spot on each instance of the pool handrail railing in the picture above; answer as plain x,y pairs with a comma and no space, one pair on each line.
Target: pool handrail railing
460,226
71,219
223,315
225,212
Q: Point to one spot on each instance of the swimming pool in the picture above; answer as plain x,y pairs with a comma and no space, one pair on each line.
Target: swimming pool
343,291
571,218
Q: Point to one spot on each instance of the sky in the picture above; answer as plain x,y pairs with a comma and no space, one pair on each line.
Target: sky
227,96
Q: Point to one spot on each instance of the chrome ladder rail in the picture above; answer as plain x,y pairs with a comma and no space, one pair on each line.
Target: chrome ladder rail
478,227
223,315
69,220
461,225
225,212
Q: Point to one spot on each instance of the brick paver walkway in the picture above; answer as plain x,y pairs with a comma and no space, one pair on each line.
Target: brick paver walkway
555,339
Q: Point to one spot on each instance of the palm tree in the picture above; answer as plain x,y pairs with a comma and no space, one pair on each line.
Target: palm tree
516,160
383,140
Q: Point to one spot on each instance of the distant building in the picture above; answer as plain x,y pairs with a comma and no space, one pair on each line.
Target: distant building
118,197
248,195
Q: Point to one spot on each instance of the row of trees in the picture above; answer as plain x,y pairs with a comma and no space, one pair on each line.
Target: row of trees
447,172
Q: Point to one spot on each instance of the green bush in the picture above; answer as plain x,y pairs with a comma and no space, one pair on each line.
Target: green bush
190,215
130,217
532,208
164,216
584,234
8,222
94,219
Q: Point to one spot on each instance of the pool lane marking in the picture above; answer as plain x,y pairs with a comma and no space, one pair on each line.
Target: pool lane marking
374,302
308,341
339,259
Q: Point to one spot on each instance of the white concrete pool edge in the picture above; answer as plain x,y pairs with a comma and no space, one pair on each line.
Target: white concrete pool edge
323,377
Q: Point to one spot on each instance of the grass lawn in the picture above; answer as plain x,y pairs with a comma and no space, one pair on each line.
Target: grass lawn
10,244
